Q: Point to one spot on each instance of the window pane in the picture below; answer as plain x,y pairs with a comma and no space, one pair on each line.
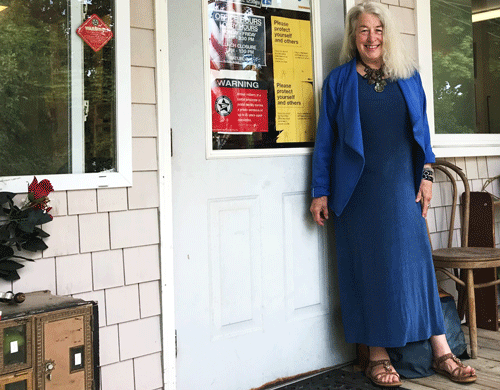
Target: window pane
100,126
36,86
465,67
487,53
452,66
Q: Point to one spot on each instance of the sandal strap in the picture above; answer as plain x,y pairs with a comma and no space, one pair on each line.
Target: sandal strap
387,366
460,366
375,363
447,356
460,372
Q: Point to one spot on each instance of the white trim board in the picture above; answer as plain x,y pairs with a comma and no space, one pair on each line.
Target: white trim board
165,185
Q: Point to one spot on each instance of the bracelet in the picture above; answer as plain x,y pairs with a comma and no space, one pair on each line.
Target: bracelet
428,174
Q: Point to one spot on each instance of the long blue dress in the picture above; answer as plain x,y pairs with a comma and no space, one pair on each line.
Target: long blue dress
388,289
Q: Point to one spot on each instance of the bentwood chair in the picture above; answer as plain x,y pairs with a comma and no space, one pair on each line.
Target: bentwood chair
464,257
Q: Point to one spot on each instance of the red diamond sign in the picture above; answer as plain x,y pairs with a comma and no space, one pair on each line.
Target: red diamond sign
95,32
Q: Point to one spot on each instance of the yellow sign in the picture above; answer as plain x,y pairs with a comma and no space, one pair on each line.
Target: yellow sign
293,79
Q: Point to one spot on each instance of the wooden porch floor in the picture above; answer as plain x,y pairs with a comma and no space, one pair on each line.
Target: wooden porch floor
487,367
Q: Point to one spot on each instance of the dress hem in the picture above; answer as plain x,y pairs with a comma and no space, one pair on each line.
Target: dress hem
418,338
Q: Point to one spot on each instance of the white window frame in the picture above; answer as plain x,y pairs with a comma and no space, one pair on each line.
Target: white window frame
446,145
123,176
317,77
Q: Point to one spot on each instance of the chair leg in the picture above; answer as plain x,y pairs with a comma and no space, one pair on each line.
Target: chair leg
472,313
462,296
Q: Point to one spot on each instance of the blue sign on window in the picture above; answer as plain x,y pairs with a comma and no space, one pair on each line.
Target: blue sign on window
267,2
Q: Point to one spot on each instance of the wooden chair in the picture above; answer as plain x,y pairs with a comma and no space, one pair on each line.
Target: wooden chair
464,257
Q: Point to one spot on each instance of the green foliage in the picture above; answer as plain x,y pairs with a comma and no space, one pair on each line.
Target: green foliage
453,68
34,77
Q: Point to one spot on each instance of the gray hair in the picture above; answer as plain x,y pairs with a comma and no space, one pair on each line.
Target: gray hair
397,62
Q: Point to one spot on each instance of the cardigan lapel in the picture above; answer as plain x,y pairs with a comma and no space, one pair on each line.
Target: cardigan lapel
411,94
353,136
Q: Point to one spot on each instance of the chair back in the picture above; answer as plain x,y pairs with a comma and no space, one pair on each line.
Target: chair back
447,168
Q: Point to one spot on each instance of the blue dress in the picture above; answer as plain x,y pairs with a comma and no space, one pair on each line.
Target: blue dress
388,288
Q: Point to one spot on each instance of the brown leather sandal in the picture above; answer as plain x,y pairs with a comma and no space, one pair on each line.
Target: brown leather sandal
389,370
458,374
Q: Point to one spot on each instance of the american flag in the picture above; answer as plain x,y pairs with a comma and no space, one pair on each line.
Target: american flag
219,44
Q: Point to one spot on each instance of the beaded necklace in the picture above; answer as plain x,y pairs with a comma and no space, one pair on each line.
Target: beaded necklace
374,76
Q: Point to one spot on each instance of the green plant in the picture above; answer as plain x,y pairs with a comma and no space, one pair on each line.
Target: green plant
19,226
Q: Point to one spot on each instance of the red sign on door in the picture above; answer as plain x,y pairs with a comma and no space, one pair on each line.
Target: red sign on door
239,106
95,32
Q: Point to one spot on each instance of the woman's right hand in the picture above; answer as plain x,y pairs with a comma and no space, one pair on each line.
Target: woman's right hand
319,210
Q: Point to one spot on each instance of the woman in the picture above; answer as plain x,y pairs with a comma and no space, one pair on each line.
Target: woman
372,168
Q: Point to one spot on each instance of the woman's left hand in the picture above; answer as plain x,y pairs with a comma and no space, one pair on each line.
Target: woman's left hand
424,196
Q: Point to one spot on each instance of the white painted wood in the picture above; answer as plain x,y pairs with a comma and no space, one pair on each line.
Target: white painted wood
467,150
123,99
165,197
77,157
305,266
235,286
317,52
255,290
349,4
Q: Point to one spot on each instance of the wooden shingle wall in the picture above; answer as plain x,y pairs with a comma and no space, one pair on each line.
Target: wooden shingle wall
104,243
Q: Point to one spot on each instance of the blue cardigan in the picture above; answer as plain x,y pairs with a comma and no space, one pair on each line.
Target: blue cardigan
338,158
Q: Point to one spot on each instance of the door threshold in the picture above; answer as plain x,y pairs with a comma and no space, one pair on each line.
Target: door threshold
282,382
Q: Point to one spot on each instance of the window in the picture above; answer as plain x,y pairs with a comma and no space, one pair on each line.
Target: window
464,75
64,115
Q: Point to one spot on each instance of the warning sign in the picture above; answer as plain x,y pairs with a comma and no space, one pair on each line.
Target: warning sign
95,32
239,106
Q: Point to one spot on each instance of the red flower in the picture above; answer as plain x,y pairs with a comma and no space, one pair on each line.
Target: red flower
37,195
40,190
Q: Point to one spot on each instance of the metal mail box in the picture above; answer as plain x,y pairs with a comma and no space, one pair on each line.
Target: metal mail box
49,343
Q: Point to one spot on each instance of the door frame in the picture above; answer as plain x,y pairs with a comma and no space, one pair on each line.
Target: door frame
165,196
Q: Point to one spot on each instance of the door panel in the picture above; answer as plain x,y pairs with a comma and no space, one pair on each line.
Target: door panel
306,268
59,337
255,291
235,267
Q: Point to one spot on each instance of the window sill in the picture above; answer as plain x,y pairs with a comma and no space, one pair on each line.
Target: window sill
19,184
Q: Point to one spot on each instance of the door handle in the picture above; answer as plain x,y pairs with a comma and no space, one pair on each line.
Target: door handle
49,367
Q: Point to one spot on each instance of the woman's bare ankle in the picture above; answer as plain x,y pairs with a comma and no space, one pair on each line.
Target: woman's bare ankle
378,353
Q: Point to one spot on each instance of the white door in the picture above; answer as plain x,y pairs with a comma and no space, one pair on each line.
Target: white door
255,288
